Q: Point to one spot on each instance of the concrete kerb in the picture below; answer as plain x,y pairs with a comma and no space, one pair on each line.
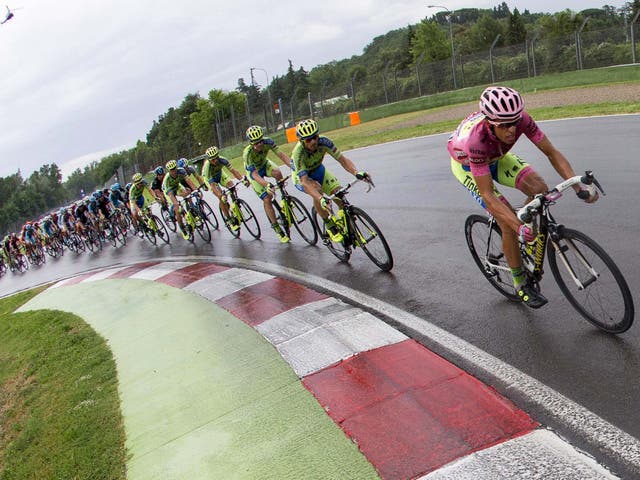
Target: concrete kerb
610,445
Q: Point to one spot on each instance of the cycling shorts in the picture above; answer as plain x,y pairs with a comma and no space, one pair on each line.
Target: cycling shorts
324,177
266,171
508,170
222,178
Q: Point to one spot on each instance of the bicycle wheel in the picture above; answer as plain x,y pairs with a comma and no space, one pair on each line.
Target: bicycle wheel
225,220
209,215
249,219
202,226
369,237
485,246
148,232
340,250
302,221
168,221
280,218
159,228
603,296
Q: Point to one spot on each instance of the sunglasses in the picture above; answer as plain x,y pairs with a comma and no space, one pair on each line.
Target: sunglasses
507,125
309,139
258,142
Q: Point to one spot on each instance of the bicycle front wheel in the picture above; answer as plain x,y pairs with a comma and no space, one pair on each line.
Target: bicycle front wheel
168,220
249,219
160,229
202,227
209,215
302,221
485,245
339,249
368,236
591,281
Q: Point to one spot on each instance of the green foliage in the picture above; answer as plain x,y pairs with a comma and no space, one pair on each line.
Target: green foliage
429,43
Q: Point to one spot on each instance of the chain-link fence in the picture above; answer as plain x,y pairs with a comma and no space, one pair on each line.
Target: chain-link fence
536,56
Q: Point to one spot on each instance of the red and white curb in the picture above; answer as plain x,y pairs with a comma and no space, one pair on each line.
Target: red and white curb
411,413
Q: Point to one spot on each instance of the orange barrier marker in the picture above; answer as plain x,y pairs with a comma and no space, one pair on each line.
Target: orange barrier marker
291,135
354,118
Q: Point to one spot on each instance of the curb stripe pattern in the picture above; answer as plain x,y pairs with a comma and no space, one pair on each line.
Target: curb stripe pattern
409,411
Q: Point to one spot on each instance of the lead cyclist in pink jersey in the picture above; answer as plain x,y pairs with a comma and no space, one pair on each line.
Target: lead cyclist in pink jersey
479,150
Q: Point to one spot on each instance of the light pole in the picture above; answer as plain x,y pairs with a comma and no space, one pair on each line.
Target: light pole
268,91
453,57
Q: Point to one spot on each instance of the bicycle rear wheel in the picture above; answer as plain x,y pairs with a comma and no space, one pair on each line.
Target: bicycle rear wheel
369,237
340,250
302,221
249,219
485,245
603,296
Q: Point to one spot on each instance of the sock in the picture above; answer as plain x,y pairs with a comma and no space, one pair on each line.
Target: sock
518,277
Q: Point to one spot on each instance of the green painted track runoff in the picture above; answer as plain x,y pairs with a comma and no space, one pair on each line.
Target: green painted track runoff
203,395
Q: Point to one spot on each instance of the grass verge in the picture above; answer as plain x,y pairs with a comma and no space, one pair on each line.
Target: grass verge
59,406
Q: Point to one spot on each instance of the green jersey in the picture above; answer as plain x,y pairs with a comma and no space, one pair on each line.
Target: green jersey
305,161
257,160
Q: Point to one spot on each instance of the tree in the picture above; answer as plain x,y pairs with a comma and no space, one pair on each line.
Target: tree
429,43
516,32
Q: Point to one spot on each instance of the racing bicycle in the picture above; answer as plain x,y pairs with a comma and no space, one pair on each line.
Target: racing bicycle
291,212
358,230
586,275
194,218
152,226
240,212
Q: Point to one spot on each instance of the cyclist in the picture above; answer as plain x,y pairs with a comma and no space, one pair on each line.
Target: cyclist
138,200
479,150
259,166
214,170
311,176
116,196
156,186
191,172
177,182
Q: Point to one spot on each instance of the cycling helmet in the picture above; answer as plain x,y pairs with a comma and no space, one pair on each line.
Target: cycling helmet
86,199
97,194
115,187
182,162
255,133
171,165
212,152
501,104
137,177
307,129
159,170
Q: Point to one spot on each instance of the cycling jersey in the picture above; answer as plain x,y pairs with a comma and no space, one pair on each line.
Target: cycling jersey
473,143
305,162
170,184
117,198
212,169
254,160
156,184
137,190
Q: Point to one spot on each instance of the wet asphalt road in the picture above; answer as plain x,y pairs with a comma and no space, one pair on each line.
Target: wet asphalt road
421,209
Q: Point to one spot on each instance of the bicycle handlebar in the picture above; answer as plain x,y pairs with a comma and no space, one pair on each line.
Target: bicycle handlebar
525,214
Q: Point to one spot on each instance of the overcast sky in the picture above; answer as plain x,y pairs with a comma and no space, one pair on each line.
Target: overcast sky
80,79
